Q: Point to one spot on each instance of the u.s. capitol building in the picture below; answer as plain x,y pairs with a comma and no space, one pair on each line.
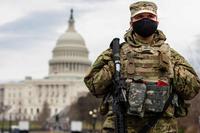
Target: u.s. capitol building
24,100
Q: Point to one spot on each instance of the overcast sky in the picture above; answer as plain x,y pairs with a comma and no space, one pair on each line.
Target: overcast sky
29,30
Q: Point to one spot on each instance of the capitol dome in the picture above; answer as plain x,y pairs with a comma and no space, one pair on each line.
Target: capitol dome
70,55
71,37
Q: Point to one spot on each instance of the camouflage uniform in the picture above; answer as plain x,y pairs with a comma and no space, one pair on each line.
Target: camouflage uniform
185,80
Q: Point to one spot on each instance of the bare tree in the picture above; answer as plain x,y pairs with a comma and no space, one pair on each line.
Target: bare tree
44,114
80,109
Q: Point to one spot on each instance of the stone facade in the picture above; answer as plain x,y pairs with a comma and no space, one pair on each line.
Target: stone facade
59,89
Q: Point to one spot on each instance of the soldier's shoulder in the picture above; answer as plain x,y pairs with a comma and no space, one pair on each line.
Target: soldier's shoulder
175,55
124,46
107,52
178,59
174,52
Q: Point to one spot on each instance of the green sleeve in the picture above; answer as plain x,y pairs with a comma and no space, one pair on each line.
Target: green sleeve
99,77
186,81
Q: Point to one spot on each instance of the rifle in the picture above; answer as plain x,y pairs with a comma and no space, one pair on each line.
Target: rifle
118,92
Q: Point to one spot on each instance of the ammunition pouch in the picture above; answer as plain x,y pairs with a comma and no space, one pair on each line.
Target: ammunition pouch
136,98
156,97
147,97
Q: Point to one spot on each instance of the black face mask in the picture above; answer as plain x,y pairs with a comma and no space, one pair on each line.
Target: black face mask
145,27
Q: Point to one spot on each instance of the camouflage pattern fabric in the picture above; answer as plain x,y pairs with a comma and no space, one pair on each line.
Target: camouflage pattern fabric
100,75
156,97
134,124
136,97
143,6
186,82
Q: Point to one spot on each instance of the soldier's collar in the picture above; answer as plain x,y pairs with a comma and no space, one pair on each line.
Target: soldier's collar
158,39
139,42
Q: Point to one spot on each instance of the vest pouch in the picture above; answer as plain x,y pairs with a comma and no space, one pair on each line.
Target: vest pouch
136,97
164,62
156,97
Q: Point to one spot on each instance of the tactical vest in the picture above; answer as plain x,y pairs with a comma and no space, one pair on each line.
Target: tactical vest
147,70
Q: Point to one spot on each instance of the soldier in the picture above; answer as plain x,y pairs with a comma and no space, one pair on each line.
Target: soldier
145,56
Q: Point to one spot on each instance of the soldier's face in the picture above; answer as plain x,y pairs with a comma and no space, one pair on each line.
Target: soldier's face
144,15
144,24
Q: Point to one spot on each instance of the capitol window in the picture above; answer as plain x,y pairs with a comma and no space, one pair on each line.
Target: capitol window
52,94
57,94
20,110
51,101
40,94
64,95
39,86
31,111
56,110
25,110
64,86
38,111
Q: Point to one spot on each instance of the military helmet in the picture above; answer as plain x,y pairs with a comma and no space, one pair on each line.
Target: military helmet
143,7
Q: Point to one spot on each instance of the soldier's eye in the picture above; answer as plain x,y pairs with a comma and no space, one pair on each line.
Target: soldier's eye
150,16
139,16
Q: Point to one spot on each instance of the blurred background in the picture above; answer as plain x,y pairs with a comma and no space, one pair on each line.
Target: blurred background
47,46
